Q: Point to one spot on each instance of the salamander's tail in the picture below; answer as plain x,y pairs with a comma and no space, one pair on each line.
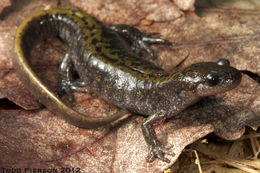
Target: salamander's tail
33,29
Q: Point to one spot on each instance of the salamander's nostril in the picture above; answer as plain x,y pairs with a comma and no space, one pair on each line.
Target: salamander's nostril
236,77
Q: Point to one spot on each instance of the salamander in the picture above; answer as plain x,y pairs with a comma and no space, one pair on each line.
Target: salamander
107,60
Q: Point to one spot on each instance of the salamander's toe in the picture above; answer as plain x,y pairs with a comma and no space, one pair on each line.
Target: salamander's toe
158,152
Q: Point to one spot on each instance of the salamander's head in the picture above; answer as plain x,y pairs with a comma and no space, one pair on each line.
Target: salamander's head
209,78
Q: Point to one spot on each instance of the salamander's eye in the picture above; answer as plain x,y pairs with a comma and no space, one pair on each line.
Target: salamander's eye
223,62
212,79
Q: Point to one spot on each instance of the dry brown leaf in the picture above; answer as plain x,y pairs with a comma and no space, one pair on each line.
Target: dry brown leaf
185,5
4,4
40,139
131,12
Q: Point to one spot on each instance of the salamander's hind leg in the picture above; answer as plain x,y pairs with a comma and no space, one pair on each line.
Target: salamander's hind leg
156,150
139,41
65,78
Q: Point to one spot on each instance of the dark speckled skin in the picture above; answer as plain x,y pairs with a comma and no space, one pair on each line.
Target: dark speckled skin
107,65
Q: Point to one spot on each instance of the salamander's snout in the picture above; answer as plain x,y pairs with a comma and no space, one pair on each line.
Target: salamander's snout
218,77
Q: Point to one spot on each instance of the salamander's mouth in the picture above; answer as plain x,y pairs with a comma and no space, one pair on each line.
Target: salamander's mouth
229,79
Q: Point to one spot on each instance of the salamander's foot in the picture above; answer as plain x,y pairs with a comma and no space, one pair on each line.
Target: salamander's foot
158,151
139,41
65,79
144,41
65,86
68,87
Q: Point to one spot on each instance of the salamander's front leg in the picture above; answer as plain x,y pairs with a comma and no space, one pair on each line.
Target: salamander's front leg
65,79
139,41
156,150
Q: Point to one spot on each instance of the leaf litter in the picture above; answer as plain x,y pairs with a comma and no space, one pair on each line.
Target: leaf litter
38,138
